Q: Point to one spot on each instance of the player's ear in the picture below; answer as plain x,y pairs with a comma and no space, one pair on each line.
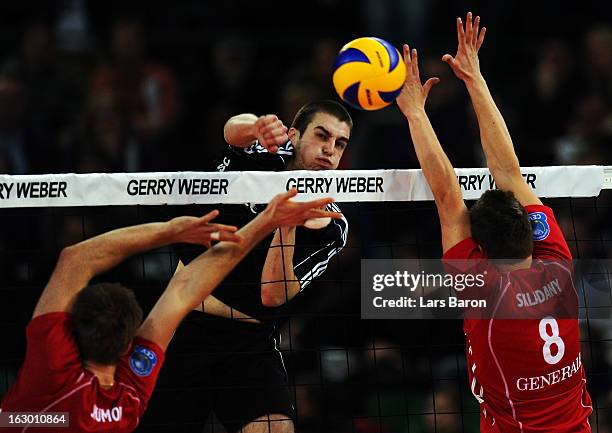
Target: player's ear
293,134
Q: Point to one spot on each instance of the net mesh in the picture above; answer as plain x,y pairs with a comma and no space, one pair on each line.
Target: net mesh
346,374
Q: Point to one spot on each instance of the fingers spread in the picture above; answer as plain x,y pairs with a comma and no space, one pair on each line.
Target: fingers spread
448,59
209,216
429,84
318,213
407,60
481,38
287,195
415,63
460,33
474,39
468,28
319,203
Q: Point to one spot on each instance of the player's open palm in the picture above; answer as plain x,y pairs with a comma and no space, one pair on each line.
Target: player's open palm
465,64
194,230
413,95
283,212
270,132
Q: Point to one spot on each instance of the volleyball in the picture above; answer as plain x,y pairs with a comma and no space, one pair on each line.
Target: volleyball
368,73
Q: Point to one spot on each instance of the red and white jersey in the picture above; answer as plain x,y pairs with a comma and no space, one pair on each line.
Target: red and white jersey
527,374
52,379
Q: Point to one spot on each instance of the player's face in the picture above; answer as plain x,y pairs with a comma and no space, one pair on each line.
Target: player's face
322,144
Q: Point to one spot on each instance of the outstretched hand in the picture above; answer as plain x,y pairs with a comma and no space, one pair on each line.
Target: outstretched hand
194,230
465,64
282,212
271,132
413,95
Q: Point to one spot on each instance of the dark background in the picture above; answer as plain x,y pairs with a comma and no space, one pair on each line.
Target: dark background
147,86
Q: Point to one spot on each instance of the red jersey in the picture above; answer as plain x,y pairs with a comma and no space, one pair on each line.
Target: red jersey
527,374
52,379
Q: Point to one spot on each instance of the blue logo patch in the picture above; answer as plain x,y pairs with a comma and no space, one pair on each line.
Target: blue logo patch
541,230
142,361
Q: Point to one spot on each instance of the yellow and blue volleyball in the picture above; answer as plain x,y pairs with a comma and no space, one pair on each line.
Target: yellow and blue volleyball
369,73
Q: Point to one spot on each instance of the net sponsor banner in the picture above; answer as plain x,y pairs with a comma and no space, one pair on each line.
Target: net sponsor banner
103,189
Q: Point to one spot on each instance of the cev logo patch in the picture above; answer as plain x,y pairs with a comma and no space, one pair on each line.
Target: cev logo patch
541,229
142,361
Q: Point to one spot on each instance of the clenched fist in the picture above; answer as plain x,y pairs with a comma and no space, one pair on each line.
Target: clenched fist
271,132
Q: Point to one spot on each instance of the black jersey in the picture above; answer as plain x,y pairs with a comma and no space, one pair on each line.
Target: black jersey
255,158
314,249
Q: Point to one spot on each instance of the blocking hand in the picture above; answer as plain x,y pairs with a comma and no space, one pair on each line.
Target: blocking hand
282,212
194,230
414,94
465,64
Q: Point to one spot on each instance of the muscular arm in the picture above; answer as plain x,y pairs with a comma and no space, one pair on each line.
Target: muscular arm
243,129
494,135
79,263
437,169
239,130
497,144
279,283
194,282
440,175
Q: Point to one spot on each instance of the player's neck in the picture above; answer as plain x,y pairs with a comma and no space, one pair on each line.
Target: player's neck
523,264
104,373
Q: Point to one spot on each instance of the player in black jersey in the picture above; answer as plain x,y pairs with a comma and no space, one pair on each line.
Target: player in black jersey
225,356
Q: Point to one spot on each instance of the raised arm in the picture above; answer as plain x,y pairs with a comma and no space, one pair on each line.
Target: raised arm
496,141
194,282
438,170
243,129
79,263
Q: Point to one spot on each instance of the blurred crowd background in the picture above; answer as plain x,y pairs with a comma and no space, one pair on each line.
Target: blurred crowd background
146,86
139,86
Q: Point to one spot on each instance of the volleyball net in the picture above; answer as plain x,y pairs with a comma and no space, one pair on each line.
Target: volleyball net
346,374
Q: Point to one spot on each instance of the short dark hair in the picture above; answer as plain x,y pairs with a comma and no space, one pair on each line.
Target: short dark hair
501,226
105,318
305,114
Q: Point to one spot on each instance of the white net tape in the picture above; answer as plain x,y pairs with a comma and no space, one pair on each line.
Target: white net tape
101,189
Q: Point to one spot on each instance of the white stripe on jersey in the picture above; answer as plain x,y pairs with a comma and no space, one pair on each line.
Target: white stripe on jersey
285,149
566,270
65,396
313,254
334,208
317,270
320,267
584,389
131,389
280,354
